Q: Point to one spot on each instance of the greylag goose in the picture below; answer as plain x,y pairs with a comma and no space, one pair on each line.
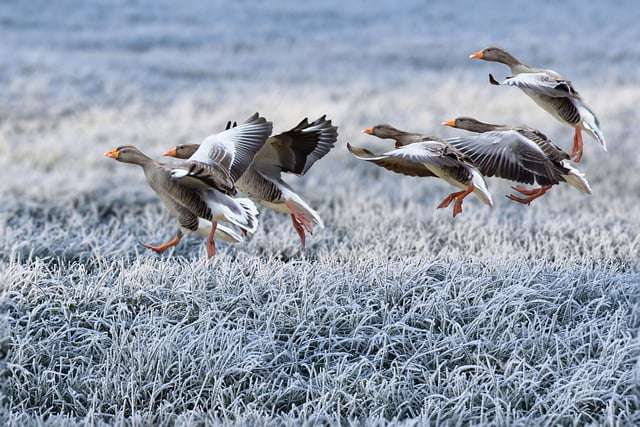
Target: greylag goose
401,138
552,92
198,191
519,154
424,156
293,151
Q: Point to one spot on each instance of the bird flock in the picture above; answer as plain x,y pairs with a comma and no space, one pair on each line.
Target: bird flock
200,185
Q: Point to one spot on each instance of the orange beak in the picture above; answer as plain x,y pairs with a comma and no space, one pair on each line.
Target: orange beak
450,123
368,131
477,55
113,153
171,152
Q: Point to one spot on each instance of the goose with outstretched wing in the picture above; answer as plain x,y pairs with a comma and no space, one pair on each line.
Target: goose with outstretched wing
518,154
197,209
293,151
552,92
426,156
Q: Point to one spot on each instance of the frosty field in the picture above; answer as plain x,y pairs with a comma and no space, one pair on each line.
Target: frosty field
395,312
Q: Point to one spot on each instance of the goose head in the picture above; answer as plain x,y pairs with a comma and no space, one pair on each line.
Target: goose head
495,54
182,151
127,154
470,124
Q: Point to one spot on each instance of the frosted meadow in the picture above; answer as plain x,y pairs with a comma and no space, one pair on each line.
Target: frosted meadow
395,312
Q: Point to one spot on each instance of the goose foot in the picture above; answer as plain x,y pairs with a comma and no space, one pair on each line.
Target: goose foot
526,191
458,197
298,225
576,151
532,194
211,242
447,200
163,246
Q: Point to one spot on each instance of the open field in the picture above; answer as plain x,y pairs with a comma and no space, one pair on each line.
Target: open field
395,311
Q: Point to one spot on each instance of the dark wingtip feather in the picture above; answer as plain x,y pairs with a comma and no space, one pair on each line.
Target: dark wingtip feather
493,81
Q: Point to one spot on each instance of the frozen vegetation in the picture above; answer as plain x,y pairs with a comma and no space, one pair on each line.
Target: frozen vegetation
395,312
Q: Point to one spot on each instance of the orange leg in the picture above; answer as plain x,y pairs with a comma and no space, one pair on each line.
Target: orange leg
457,207
447,200
576,152
526,191
298,226
211,241
164,246
532,195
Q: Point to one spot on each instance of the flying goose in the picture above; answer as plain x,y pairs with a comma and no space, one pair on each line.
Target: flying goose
198,191
519,154
293,151
552,92
401,138
423,156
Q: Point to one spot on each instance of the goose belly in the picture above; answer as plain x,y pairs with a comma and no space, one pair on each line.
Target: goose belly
545,105
275,206
445,176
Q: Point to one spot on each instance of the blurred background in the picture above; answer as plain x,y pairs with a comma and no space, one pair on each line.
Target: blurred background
63,55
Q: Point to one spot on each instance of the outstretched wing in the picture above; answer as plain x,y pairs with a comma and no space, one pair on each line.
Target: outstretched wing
415,159
506,154
542,82
541,140
235,148
297,149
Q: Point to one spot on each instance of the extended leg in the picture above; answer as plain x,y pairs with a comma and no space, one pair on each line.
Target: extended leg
166,245
532,195
297,225
457,207
211,240
526,191
576,152
447,200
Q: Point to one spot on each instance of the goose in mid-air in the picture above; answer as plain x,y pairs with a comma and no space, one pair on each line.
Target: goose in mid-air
518,154
293,151
552,92
421,155
198,191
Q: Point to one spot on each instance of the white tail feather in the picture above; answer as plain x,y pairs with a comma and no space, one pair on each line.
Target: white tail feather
576,179
309,216
481,191
590,124
223,232
247,218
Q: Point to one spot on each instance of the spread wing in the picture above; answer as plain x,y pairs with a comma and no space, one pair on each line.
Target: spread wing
297,149
415,159
543,82
506,154
235,148
541,140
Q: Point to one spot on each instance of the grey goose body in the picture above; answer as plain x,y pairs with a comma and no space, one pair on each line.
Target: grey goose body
293,152
551,91
426,156
519,154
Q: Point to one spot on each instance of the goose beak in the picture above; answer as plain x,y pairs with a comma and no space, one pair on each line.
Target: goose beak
113,154
368,131
477,55
450,123
171,152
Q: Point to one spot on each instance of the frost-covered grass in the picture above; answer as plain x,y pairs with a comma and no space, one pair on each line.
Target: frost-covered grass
394,312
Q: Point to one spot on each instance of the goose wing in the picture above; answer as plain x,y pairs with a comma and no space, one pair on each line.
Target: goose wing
505,154
232,150
543,82
297,149
415,159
